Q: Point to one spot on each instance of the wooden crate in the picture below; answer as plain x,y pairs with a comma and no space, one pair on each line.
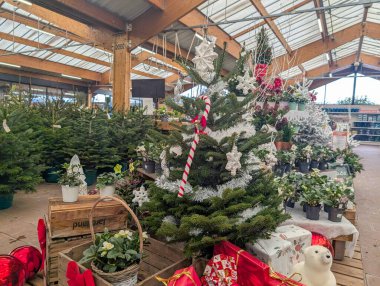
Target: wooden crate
71,219
161,260
350,215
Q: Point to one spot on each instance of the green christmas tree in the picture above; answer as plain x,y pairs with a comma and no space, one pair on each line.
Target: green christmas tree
228,195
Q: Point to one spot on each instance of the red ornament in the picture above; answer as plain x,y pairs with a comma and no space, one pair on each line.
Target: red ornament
319,239
31,257
12,271
75,278
41,230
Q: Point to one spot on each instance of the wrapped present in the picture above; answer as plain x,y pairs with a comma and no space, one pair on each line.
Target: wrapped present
299,238
220,271
250,270
183,277
275,252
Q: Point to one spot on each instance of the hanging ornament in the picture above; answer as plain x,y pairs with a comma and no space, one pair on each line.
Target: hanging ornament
219,87
178,89
6,127
233,160
164,164
246,83
203,123
31,257
204,59
141,196
12,272
176,150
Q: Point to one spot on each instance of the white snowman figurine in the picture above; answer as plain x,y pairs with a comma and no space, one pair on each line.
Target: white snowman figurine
315,270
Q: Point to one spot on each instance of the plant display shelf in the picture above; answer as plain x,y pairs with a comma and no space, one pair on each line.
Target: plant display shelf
146,175
349,271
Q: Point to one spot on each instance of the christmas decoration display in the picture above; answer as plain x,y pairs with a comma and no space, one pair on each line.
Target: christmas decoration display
246,83
31,257
182,277
217,204
315,270
194,144
75,278
141,196
319,239
13,271
75,167
204,58
221,271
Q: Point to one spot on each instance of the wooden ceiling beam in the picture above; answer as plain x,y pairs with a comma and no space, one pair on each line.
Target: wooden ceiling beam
196,17
98,35
153,21
51,78
364,22
57,68
262,23
321,15
145,74
96,14
159,4
272,25
61,51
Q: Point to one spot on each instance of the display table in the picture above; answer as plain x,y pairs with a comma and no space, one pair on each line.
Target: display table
344,232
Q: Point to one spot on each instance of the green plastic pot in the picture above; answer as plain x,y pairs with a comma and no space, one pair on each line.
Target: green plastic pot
293,105
6,201
51,175
301,106
90,176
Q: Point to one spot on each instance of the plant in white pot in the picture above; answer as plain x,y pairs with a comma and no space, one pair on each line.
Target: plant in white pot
106,182
70,183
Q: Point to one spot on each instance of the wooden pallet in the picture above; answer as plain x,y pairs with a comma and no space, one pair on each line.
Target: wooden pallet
349,271
38,280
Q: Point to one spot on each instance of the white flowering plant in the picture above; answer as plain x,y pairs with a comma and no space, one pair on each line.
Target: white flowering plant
113,252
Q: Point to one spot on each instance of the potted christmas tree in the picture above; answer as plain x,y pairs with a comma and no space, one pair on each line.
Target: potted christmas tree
70,183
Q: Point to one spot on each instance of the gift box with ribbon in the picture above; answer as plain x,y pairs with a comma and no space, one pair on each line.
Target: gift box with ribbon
251,271
183,277
220,271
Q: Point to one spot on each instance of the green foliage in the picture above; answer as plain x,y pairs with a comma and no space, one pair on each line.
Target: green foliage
313,188
337,193
363,100
113,252
70,176
353,160
263,52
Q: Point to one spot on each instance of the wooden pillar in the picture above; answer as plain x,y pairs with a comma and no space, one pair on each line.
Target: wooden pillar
121,83
89,97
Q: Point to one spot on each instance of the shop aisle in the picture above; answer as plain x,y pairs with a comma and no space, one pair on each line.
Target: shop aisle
367,192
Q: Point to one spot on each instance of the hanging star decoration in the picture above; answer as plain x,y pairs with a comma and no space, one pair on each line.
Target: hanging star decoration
141,196
204,58
246,83
233,160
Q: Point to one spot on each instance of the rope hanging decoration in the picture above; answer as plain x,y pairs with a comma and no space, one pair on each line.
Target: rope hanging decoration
203,123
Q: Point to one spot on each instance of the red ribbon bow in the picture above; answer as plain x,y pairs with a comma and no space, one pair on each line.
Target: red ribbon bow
41,230
75,278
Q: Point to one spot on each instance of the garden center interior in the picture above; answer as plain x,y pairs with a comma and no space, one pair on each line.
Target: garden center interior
189,142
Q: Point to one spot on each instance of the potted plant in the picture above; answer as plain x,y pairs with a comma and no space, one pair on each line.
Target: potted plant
131,180
288,188
312,193
285,134
70,182
325,156
146,151
303,158
285,160
314,158
163,114
337,195
106,181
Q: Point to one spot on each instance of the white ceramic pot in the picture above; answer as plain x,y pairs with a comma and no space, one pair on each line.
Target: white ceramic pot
283,104
107,191
260,103
70,194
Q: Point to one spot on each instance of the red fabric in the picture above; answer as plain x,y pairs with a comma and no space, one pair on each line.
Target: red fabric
30,257
41,230
261,70
319,239
251,271
75,278
181,278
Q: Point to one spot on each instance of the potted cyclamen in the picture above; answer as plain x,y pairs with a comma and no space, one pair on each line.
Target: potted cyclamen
70,183
303,158
106,181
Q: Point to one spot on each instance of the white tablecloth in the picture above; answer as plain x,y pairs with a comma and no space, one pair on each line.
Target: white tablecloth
324,226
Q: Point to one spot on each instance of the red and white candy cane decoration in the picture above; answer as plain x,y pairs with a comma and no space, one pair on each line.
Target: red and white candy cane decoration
194,144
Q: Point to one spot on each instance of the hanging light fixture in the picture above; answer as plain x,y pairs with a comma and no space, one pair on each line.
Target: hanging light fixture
23,2
320,25
71,76
10,65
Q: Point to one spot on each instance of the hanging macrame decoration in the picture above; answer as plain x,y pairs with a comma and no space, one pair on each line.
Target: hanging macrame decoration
204,59
233,161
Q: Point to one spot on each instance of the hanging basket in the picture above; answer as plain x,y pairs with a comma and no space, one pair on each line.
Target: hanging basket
128,276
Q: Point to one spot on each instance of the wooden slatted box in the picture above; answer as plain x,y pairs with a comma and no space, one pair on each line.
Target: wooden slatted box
68,226
161,260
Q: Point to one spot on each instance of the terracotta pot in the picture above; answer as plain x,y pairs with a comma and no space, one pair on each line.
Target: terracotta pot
281,145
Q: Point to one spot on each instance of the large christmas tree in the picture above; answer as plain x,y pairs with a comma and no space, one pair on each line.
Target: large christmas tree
228,195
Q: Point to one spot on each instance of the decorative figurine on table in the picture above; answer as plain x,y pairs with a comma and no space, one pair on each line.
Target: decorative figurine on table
316,269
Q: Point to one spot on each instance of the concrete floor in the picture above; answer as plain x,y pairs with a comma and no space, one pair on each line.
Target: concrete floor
18,225
367,197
